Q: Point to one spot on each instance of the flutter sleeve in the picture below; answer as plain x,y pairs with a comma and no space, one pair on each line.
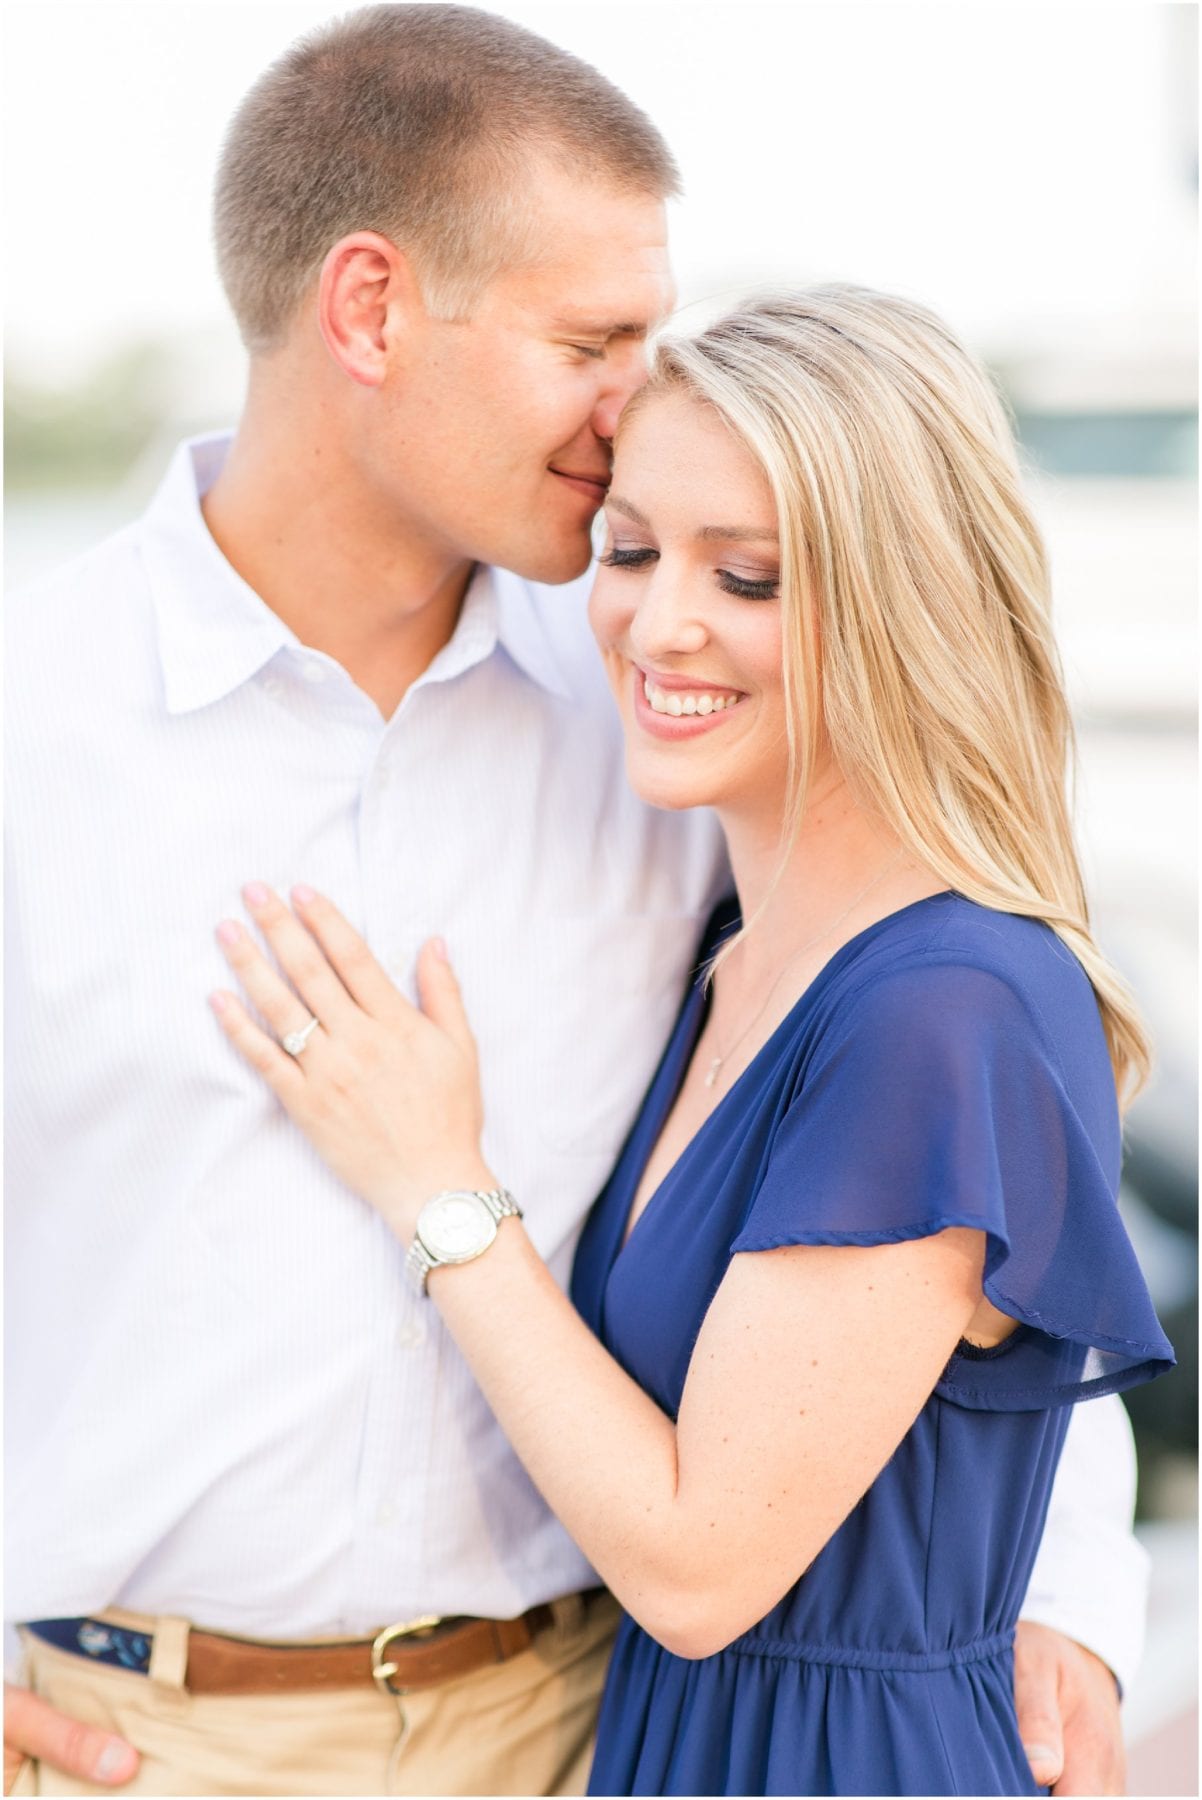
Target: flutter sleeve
935,1096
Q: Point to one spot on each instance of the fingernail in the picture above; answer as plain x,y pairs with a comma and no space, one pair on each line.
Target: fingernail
1039,1753
116,1762
302,894
440,948
218,1002
229,931
255,893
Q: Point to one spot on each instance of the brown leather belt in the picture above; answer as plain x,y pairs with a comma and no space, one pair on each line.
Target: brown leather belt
401,1658
415,1654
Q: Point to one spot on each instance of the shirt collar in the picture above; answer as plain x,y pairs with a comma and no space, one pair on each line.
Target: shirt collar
214,632
523,633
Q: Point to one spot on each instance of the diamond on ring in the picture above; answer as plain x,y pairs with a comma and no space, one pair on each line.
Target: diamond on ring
295,1041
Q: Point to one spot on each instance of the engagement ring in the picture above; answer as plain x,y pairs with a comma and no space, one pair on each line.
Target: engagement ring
295,1041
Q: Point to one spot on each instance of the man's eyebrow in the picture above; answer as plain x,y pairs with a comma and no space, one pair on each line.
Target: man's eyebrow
602,328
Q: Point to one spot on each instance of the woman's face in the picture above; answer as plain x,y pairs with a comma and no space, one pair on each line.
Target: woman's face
686,610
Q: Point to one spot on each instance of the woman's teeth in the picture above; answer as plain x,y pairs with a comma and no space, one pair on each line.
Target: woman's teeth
678,704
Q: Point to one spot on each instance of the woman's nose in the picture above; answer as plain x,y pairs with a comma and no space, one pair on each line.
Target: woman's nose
665,624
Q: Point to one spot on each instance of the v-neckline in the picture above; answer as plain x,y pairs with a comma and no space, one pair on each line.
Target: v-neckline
688,1031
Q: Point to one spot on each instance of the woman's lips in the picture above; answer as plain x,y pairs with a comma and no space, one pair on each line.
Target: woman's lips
685,725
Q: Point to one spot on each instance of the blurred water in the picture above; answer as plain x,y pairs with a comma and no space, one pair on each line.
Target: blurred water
43,530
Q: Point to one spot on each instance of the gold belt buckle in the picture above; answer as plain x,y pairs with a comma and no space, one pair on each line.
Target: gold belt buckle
382,1671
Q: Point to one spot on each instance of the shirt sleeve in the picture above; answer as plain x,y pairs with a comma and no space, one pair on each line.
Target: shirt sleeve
935,1097
1090,1578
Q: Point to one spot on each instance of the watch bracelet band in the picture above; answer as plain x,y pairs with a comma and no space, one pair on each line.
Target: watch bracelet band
418,1263
500,1203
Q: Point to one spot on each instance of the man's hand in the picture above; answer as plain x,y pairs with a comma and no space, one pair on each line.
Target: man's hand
31,1728
1068,1714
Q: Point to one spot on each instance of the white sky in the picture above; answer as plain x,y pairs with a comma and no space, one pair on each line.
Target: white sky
1020,166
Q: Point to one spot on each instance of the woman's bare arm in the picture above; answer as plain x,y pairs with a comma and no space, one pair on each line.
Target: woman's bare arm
811,1366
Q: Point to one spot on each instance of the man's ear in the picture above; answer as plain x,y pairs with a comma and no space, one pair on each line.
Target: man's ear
366,295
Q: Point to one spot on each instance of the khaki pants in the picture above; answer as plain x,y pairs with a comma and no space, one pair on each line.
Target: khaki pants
520,1727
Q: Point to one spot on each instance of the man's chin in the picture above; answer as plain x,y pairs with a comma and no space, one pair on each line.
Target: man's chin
552,563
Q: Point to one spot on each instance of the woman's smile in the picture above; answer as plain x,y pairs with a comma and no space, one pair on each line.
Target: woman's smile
671,707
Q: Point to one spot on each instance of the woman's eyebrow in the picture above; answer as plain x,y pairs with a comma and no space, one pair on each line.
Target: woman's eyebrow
615,503
726,534
739,534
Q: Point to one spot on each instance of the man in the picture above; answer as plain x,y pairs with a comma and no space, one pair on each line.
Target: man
241,1450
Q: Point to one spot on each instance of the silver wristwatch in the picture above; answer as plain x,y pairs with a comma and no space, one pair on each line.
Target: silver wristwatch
456,1227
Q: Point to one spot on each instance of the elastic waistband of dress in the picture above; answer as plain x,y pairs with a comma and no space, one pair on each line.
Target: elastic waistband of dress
906,1662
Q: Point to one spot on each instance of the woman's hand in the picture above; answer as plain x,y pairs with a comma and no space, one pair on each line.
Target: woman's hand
387,1094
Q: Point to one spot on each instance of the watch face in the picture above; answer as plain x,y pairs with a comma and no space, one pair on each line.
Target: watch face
456,1227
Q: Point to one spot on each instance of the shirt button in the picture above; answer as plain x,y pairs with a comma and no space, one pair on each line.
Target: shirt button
313,671
385,1514
411,1336
273,685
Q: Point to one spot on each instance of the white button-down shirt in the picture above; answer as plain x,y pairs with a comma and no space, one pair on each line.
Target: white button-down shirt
224,1400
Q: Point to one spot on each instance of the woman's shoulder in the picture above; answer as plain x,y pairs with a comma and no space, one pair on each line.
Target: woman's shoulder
959,1076
948,976
948,942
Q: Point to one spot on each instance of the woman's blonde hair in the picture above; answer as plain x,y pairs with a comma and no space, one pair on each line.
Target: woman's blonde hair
919,637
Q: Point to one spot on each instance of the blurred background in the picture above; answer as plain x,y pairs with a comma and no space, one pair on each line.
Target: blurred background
1030,171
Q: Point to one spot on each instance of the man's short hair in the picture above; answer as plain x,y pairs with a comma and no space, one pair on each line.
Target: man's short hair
421,122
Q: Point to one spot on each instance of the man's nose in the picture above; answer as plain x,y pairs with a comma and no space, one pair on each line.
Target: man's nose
625,375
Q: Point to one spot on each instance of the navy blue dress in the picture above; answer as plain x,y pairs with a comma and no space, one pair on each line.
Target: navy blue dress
947,1067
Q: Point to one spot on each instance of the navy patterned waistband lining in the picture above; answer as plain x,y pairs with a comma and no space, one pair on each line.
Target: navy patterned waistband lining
113,1645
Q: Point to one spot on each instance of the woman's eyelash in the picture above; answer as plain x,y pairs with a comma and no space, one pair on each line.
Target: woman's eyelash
626,559
748,590
738,585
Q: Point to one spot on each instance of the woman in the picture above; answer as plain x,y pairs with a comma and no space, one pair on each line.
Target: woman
811,1442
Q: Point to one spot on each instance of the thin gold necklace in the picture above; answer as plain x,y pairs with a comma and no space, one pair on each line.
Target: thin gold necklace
724,1056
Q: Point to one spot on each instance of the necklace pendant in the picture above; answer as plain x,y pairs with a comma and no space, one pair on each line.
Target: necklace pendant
712,1076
